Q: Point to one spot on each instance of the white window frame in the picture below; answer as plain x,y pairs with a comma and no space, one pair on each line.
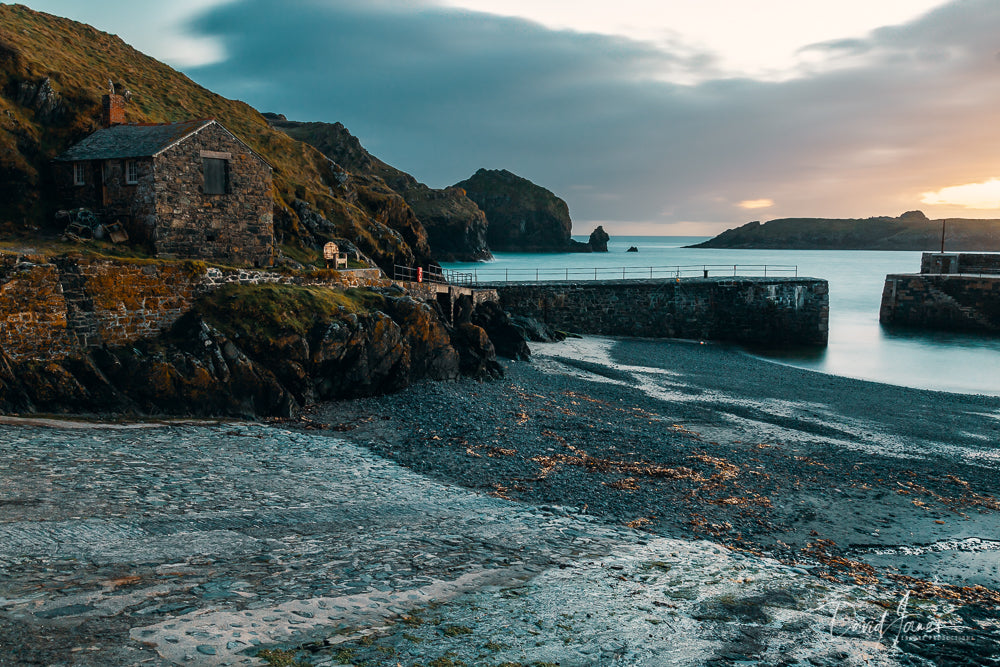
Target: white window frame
131,172
79,173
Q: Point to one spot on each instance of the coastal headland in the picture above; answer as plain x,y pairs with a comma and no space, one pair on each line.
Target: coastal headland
611,502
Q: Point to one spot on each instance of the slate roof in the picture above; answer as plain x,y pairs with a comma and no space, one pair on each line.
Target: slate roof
132,141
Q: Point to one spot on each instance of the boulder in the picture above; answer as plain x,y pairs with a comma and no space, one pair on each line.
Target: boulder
536,331
477,356
508,340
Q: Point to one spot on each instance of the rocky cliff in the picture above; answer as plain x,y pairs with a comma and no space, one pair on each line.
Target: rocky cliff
53,72
910,231
522,216
456,227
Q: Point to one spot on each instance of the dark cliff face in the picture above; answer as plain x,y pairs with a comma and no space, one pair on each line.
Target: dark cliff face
455,227
522,216
910,231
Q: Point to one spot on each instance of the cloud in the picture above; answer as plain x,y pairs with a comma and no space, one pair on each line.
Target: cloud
756,203
971,195
441,92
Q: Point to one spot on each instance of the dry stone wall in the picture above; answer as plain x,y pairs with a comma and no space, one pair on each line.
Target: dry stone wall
33,311
50,309
765,311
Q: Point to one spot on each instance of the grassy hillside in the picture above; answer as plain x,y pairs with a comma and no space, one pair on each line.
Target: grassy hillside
456,228
53,72
911,231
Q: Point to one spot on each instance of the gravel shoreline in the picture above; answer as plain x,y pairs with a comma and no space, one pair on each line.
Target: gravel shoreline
610,503
853,481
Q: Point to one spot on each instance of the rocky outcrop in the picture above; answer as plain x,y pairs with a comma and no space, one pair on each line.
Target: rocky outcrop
508,339
599,240
522,216
455,227
234,356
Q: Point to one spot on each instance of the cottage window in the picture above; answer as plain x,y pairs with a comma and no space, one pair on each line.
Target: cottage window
216,176
79,174
131,172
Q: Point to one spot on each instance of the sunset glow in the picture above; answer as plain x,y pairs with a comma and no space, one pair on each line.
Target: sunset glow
756,203
784,108
984,195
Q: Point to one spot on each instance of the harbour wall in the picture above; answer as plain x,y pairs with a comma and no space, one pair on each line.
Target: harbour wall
945,301
760,311
960,262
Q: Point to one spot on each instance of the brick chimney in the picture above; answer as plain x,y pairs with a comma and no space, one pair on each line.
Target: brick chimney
112,110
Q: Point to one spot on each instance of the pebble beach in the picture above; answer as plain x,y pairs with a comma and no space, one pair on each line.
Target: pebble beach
609,502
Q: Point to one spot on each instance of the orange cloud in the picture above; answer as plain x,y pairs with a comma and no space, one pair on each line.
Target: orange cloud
756,203
984,195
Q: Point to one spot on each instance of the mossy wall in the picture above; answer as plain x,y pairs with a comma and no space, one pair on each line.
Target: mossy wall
33,314
50,309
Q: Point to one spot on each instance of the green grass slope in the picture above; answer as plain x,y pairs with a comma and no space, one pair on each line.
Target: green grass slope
456,228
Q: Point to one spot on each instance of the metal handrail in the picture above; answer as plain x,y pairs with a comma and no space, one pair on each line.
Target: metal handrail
434,274
415,274
497,275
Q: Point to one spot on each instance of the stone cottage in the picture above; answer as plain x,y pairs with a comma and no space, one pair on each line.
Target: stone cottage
189,189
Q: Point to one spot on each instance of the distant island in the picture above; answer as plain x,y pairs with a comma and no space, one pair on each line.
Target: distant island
910,231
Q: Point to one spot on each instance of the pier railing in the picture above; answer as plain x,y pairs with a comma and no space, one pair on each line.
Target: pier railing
501,275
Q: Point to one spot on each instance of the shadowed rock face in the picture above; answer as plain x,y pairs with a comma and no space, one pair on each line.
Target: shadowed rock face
522,216
455,227
599,240
209,365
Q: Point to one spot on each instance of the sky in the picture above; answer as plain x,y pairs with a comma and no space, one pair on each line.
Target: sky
650,117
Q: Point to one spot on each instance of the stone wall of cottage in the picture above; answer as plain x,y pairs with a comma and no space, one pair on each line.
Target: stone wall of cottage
763,311
107,192
50,309
236,227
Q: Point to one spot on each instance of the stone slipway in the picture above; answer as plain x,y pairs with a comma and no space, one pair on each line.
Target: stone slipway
198,545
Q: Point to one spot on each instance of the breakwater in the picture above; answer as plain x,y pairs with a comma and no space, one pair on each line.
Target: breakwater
760,311
953,292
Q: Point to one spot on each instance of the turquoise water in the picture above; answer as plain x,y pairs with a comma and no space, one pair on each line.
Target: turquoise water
859,346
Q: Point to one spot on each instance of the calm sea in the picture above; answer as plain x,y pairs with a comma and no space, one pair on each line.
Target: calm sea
859,346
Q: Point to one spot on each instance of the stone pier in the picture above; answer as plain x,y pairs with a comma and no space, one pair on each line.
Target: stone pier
953,292
759,311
